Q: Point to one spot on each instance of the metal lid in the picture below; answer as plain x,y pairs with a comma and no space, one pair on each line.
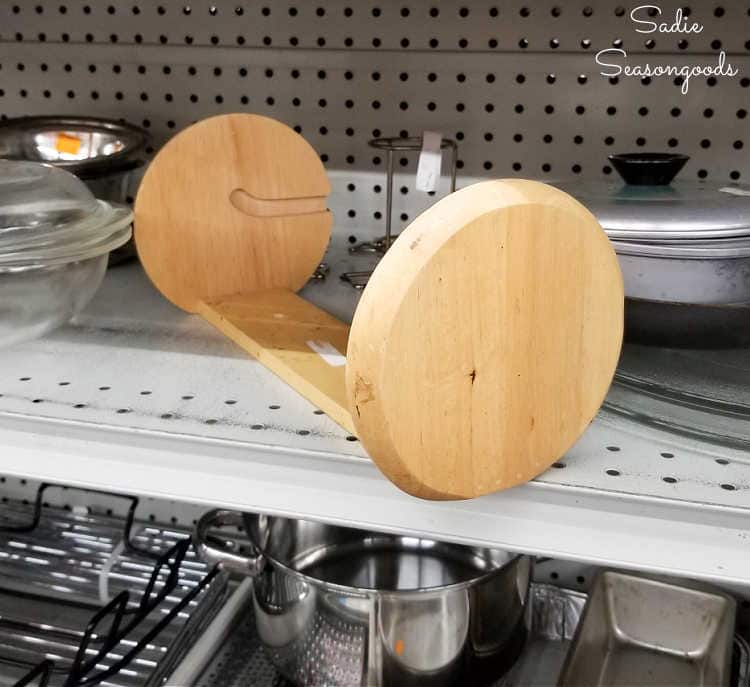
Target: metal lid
696,249
681,210
87,146
48,214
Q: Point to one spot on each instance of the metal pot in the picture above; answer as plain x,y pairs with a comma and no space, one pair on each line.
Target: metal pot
681,246
695,272
343,607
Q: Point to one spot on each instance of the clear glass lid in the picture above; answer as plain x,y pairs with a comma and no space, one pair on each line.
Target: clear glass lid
46,212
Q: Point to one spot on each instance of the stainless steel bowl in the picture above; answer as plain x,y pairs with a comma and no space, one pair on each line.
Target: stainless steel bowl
340,607
105,153
89,147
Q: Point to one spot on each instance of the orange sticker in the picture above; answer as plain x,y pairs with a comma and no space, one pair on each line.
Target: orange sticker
67,144
399,647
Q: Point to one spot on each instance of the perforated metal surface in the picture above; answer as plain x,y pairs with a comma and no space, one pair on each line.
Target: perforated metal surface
140,365
515,83
217,428
241,661
177,513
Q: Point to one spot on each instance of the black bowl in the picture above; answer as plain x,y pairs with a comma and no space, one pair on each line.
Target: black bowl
648,169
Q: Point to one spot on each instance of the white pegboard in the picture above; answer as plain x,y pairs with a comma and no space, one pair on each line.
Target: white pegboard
164,511
515,83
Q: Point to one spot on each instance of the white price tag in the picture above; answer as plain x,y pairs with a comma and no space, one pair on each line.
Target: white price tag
328,352
430,159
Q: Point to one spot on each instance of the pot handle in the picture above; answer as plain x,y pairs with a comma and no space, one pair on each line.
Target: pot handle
222,553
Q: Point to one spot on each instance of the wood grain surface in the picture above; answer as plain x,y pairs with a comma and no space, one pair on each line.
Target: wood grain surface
286,334
483,344
233,204
485,341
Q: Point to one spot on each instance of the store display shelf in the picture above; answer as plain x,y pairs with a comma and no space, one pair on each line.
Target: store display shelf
138,397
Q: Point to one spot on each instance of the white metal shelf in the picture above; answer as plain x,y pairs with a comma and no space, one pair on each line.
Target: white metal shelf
139,397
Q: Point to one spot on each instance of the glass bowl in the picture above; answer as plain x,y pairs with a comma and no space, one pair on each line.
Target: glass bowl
54,241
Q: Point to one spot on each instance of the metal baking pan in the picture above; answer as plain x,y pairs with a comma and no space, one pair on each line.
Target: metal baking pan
651,632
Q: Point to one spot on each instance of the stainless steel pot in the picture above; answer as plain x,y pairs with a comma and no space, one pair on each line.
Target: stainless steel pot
696,272
343,607
683,247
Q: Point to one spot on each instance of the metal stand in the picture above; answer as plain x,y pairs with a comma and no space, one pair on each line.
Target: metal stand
321,272
381,245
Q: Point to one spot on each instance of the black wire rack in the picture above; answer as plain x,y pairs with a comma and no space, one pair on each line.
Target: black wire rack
117,620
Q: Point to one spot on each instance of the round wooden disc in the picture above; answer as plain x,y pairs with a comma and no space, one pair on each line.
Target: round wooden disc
232,204
486,340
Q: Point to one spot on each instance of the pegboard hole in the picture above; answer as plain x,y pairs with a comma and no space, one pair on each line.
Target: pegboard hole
722,461
728,487
669,480
613,473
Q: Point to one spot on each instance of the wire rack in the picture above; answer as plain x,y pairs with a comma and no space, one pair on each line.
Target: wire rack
94,599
